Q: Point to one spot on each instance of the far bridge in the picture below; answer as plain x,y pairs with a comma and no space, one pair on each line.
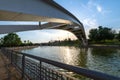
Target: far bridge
40,11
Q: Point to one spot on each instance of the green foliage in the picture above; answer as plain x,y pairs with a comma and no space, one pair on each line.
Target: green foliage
1,41
93,34
101,34
12,39
118,36
28,42
66,42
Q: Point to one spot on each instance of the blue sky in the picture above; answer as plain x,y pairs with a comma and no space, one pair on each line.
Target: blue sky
91,13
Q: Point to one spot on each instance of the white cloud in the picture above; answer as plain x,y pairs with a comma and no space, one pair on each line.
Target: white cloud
94,5
99,8
89,23
46,35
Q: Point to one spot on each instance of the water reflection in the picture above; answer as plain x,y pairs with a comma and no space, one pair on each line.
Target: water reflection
82,57
103,60
66,55
103,52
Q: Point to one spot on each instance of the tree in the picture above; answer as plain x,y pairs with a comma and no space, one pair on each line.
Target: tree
29,42
1,42
118,36
93,34
12,39
105,33
24,41
101,34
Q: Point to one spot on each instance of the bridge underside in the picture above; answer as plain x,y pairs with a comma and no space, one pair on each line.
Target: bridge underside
40,11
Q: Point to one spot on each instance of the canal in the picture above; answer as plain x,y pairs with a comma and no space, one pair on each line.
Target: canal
105,60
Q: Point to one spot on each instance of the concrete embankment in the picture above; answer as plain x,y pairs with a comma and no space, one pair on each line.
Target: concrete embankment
21,48
104,46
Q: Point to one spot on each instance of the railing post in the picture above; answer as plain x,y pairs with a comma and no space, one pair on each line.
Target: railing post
11,57
23,66
40,69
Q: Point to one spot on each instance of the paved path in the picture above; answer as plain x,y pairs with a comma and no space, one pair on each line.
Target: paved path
7,71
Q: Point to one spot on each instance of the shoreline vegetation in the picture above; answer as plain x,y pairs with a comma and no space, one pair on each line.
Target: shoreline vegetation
13,40
98,38
88,46
18,48
66,42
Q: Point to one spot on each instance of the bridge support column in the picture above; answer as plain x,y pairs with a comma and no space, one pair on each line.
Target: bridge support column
84,41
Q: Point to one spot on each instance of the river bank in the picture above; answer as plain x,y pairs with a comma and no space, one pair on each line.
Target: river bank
103,46
88,46
19,48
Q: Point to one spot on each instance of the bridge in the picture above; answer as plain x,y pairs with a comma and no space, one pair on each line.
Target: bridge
57,18
40,11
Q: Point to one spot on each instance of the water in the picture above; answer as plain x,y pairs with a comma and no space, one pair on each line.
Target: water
103,60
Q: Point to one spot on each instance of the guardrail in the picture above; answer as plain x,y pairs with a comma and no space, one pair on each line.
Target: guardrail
33,68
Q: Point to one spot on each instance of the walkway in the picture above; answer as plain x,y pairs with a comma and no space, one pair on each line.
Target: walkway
7,71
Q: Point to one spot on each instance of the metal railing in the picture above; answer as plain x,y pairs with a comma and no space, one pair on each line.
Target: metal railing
33,68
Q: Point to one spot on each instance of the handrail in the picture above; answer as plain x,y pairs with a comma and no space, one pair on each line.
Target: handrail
81,71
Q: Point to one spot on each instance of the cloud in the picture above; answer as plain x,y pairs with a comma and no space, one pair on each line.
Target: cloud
89,23
45,35
94,5
99,8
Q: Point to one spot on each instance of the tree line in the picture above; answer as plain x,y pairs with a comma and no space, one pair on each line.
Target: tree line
101,34
65,42
12,39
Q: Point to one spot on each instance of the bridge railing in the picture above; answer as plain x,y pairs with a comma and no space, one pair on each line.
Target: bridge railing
34,68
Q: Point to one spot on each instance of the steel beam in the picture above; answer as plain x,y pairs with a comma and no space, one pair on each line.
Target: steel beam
35,10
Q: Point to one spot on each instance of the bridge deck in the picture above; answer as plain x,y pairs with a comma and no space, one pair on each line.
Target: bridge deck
7,71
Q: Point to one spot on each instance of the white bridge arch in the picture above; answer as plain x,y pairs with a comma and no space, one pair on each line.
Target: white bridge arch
41,11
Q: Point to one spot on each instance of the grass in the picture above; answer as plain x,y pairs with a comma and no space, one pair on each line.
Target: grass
106,42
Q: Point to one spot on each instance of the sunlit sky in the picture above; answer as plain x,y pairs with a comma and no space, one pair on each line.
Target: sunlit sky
91,13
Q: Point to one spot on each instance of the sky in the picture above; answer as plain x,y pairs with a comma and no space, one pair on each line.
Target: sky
92,13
